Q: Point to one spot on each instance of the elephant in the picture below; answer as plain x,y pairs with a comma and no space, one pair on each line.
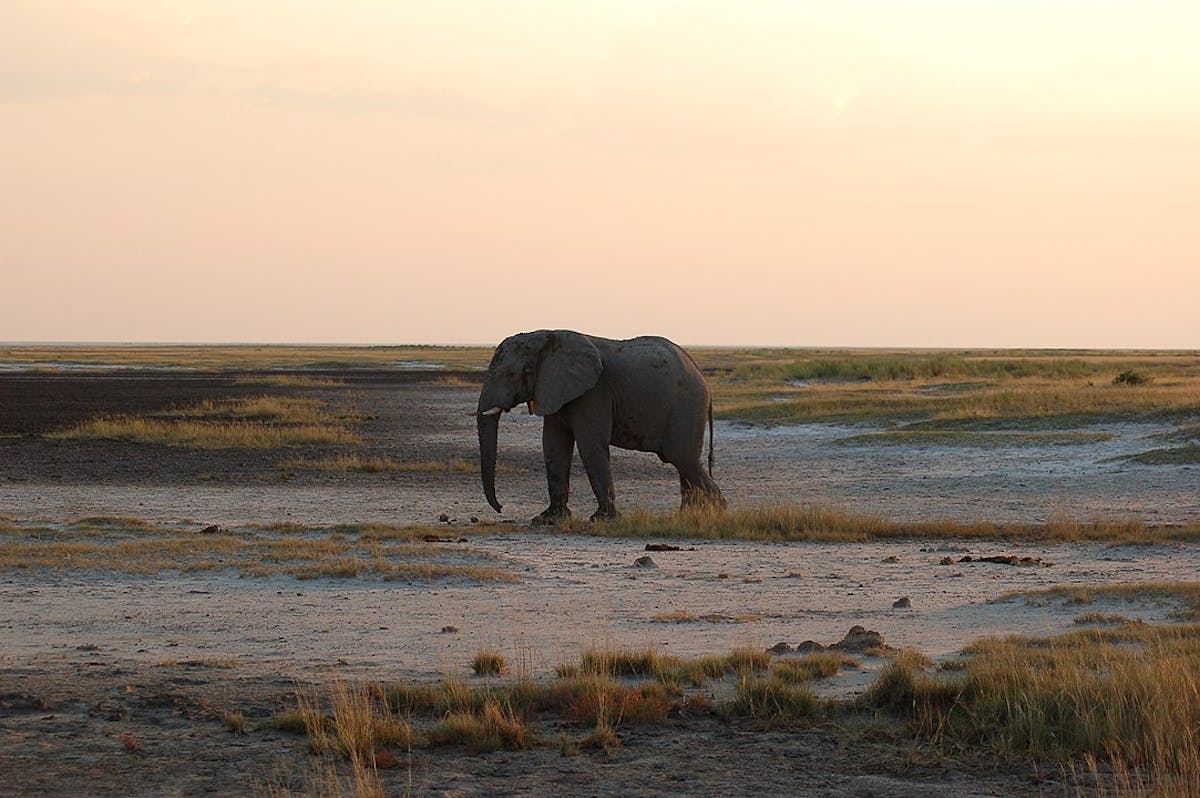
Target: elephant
644,393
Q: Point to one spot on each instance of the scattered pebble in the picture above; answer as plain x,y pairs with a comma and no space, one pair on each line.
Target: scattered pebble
385,760
449,630
902,603
645,562
1005,559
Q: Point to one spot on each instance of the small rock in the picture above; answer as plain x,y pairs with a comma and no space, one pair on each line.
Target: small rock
645,562
211,529
449,630
902,603
474,520
780,648
445,519
947,561
891,559
809,646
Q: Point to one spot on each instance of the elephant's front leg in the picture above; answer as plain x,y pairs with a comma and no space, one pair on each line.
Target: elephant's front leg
558,450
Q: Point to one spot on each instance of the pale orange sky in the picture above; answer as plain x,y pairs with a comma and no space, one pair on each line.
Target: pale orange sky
927,173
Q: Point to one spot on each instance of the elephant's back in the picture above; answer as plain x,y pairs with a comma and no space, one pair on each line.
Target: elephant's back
650,359
655,388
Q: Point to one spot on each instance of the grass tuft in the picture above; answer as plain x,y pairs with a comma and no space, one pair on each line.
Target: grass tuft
488,663
817,665
775,701
359,722
493,728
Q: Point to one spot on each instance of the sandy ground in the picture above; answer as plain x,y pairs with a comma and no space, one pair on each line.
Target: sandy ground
86,658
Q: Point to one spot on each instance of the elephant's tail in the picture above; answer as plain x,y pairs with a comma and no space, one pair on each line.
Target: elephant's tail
710,438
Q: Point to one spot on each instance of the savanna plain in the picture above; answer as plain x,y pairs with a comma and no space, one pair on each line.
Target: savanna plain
271,571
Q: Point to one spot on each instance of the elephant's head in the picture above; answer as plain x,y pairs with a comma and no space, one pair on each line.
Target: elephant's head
547,369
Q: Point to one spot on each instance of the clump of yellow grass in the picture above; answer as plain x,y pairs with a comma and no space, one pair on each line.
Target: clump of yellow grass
823,523
259,422
1128,696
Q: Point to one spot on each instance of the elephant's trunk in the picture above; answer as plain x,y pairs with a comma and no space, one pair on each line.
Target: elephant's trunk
489,429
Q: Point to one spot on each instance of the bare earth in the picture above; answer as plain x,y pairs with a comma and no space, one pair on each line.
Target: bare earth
88,658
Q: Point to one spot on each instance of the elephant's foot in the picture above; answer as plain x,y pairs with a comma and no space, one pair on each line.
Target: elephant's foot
551,516
603,514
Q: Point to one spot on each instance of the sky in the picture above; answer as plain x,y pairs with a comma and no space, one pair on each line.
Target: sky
908,173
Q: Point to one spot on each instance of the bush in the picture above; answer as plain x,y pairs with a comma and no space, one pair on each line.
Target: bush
1132,377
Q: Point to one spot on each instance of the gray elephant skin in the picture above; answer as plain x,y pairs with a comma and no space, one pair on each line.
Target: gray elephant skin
643,393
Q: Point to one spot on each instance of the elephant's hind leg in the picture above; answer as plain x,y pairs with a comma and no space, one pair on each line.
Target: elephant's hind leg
598,465
697,488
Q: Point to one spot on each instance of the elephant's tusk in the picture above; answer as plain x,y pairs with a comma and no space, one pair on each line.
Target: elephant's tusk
492,412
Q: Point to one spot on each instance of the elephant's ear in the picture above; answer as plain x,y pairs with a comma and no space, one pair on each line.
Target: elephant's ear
569,365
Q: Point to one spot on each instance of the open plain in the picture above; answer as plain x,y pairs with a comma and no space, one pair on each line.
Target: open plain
165,599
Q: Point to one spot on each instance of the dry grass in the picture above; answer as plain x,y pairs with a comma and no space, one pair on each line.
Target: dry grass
258,422
821,523
1184,596
234,721
289,381
351,722
347,463
369,552
683,616
375,465
216,358
1175,455
488,663
943,392
205,435
974,439
1129,696
817,665
493,728
776,702
649,662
